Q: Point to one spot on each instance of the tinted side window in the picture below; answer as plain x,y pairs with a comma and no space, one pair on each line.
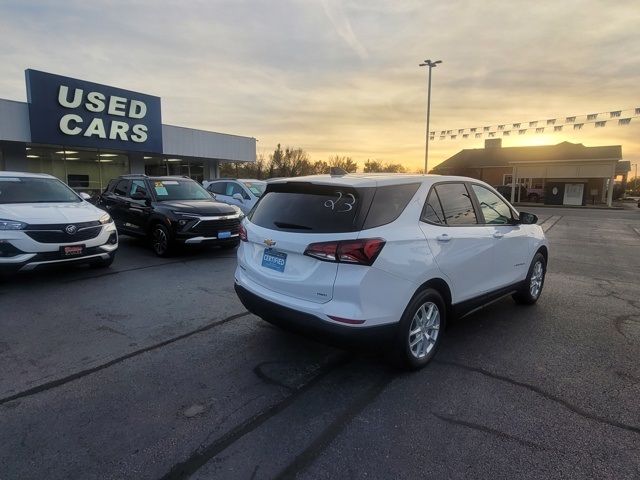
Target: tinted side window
138,186
122,188
388,203
218,187
432,211
233,188
456,204
495,211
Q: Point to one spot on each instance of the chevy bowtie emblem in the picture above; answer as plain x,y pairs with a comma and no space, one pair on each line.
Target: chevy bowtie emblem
268,242
70,229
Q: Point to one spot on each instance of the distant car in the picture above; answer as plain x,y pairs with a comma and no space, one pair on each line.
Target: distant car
385,258
243,193
44,222
170,211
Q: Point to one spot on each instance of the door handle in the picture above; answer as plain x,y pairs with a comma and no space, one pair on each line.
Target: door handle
498,235
443,238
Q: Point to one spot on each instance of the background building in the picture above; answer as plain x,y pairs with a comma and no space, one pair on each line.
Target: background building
567,173
86,133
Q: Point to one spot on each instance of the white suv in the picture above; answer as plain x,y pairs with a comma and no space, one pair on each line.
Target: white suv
44,222
387,258
243,193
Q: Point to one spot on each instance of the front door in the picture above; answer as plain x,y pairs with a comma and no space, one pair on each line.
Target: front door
510,240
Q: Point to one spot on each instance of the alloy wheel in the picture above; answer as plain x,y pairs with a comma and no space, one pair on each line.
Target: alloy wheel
160,241
424,330
537,276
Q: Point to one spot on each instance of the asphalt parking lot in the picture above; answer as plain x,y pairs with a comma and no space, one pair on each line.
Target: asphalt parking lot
153,369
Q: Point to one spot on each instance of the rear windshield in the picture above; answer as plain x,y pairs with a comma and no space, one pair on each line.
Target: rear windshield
307,208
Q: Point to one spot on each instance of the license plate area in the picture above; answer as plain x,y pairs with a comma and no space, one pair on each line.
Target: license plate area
72,250
225,234
274,260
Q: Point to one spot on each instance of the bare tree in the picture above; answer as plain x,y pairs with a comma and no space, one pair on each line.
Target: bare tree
346,163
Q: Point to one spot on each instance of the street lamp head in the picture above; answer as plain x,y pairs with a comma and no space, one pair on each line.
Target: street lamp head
429,63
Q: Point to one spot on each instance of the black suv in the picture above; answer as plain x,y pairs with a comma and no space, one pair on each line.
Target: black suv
170,210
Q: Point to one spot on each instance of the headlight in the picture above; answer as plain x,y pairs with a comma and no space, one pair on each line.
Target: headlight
11,225
238,210
106,218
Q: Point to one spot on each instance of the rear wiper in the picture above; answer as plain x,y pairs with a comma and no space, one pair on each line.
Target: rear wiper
291,226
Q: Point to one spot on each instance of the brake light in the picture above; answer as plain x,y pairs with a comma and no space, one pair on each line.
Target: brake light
359,252
242,233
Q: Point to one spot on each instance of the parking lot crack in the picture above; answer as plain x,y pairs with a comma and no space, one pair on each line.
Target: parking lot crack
204,453
83,373
492,431
303,460
575,409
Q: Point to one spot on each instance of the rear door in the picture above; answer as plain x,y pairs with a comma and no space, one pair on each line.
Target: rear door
461,245
510,241
287,219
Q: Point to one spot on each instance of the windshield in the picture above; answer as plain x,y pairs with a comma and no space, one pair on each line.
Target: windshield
257,188
179,190
35,190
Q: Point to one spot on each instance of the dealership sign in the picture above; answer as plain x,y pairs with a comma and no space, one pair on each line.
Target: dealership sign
71,112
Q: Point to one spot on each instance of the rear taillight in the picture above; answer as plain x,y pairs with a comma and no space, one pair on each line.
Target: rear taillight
359,252
242,233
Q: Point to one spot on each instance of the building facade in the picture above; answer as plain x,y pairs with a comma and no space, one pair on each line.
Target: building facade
562,174
86,133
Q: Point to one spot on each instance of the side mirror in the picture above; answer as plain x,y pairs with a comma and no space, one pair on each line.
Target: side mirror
138,196
85,196
212,194
528,218
238,196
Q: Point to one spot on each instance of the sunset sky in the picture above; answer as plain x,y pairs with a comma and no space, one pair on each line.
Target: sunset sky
342,77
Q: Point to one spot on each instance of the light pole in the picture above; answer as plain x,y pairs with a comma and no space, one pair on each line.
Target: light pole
430,64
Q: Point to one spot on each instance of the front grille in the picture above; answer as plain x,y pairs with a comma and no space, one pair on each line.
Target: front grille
61,226
57,233
210,228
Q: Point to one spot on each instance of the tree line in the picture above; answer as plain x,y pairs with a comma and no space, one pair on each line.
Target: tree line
295,162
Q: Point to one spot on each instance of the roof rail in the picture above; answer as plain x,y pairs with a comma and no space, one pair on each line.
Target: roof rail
129,175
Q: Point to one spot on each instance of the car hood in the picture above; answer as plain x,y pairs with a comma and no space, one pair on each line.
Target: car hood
200,207
50,213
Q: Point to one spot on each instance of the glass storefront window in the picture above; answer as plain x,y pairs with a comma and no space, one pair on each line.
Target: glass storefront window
83,170
157,166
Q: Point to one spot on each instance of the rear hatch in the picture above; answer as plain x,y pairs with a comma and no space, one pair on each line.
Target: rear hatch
288,218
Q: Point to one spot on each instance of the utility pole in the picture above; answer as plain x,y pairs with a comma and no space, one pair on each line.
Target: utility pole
430,64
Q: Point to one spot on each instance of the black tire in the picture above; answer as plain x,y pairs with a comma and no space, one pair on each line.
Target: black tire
533,197
528,295
103,263
161,240
403,354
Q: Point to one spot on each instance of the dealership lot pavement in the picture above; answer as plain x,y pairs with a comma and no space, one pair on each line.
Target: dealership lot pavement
153,369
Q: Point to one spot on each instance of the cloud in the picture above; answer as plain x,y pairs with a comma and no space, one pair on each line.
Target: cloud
340,21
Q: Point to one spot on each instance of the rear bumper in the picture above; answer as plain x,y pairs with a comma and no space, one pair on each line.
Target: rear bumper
378,337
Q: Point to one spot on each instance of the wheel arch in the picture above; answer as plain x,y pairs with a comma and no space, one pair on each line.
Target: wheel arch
544,251
442,287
